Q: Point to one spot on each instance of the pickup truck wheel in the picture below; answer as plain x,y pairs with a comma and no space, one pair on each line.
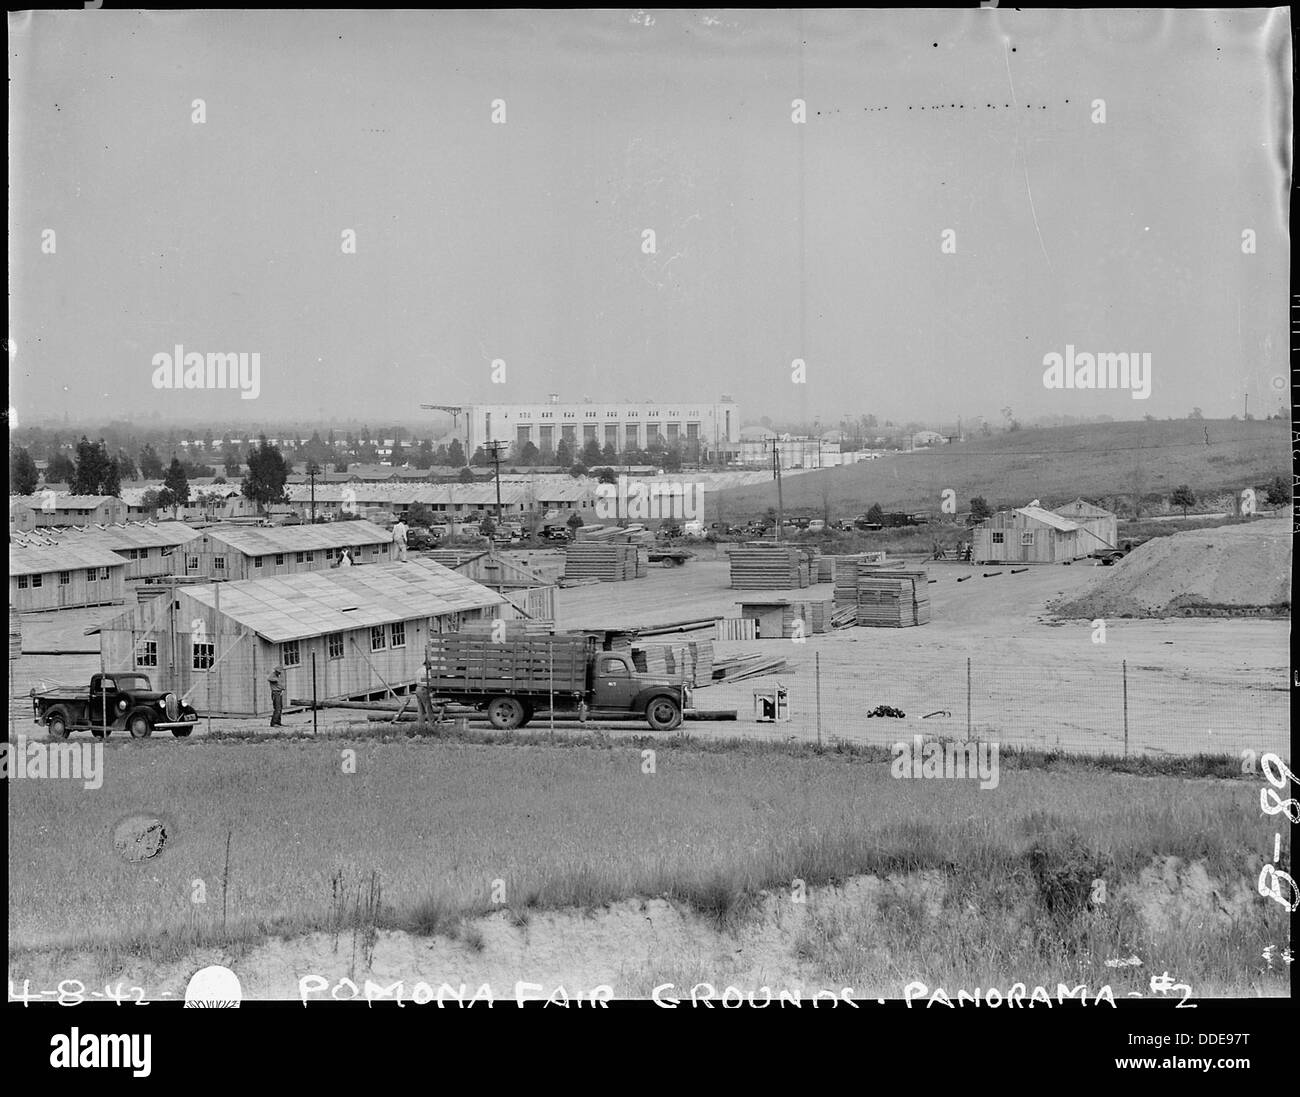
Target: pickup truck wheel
140,726
505,713
57,724
663,714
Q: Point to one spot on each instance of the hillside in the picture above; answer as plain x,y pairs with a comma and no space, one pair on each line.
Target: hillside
1054,464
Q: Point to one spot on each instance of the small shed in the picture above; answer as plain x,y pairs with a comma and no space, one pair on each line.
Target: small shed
62,576
1100,526
363,629
59,509
1029,535
784,618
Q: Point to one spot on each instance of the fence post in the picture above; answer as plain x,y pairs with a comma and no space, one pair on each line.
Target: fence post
1124,665
315,730
968,698
817,664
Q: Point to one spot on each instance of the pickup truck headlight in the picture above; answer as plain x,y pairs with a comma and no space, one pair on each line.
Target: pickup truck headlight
121,706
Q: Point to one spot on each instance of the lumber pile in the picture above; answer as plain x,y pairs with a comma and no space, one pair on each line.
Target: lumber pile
606,561
509,630
739,667
893,598
737,628
690,660
768,567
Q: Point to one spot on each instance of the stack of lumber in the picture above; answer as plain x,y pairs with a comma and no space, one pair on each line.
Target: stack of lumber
738,668
769,567
737,628
846,617
825,569
848,569
691,661
894,598
817,616
608,562
642,561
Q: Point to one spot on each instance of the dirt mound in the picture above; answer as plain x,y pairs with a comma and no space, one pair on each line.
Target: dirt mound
1239,570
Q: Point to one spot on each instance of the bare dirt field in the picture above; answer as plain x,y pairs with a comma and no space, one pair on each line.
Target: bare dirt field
1193,685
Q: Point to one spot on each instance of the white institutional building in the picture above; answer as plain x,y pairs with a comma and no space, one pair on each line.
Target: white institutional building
625,426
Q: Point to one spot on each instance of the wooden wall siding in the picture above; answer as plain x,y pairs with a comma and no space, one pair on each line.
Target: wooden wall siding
237,686
241,566
1051,546
154,563
535,603
78,592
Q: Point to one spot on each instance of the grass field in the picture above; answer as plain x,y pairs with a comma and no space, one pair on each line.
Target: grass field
985,883
1055,464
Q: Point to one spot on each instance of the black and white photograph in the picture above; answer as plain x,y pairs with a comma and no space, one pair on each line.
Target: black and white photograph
689,509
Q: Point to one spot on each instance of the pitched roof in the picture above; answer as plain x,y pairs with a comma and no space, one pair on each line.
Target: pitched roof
1081,508
1038,514
293,607
261,540
37,559
60,501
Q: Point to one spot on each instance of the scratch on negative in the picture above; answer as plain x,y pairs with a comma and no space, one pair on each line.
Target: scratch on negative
1024,156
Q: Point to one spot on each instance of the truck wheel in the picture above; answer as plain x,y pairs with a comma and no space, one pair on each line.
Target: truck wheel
505,713
180,733
140,726
663,714
57,724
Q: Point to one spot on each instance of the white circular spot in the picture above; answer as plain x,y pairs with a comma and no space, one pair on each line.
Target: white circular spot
214,986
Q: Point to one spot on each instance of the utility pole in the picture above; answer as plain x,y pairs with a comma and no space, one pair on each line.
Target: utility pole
1245,407
311,472
494,451
780,496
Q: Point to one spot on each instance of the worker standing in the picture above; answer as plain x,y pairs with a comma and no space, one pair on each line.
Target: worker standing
399,539
423,699
276,681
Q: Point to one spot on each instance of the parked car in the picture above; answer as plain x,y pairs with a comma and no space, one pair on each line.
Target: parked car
125,700
817,525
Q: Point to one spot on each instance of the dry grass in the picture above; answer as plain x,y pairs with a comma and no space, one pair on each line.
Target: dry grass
418,837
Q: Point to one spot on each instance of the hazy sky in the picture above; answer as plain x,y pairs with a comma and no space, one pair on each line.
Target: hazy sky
522,241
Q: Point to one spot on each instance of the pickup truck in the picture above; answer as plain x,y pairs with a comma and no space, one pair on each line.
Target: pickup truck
512,679
1109,555
112,702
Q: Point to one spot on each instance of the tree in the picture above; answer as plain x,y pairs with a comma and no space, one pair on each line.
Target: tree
60,469
465,476
529,455
93,468
424,455
590,453
1279,494
398,456
574,521
578,470
980,509
151,466
420,514
487,527
1196,414
176,487
341,466
673,459
563,455
876,513
480,458
150,500
126,468
23,475
1184,497
456,454
606,475
267,473
608,453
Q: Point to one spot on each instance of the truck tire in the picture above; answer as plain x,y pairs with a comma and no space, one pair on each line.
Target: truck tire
56,722
180,733
139,725
506,713
663,713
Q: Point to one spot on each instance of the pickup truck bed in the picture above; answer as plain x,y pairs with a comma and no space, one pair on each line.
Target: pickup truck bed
477,665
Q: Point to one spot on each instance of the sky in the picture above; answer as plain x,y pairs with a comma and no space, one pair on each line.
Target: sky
521,241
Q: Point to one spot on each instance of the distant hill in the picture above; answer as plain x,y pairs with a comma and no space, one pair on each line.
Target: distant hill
1098,461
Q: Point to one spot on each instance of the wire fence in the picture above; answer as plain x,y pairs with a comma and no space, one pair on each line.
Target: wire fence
1104,707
